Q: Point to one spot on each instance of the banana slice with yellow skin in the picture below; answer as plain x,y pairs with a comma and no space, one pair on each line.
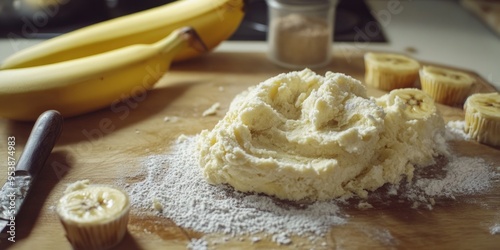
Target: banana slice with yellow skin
446,86
482,118
390,71
94,216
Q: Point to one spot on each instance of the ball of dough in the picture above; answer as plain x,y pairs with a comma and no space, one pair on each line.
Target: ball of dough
302,136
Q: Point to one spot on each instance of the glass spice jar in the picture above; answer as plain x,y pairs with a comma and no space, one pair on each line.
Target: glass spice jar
300,32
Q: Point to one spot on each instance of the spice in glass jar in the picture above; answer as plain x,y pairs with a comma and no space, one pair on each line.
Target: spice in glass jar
301,32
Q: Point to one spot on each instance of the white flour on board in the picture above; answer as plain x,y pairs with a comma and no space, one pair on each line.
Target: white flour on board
175,181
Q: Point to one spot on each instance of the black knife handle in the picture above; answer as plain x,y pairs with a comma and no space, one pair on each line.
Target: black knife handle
42,139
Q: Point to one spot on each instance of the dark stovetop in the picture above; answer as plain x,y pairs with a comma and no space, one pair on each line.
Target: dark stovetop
353,20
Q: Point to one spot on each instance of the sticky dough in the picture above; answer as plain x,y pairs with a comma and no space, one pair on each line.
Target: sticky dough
302,136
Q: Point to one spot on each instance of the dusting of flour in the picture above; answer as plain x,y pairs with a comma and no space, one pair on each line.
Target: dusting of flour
458,176
175,180
175,188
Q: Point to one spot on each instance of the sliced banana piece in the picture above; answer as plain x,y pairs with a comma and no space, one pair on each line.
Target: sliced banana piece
415,103
482,118
94,216
446,86
390,71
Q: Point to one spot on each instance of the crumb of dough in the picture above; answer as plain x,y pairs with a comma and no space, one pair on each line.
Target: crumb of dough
415,205
182,138
212,110
282,239
157,205
303,136
171,119
432,201
82,184
255,239
363,205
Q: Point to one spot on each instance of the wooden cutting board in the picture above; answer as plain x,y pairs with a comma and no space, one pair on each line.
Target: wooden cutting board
106,146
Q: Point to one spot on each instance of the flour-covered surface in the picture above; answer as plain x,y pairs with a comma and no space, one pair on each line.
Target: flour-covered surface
174,179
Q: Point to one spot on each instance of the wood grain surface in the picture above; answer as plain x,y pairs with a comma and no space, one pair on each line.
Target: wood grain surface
106,146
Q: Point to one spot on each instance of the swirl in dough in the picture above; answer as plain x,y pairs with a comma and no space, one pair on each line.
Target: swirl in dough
300,136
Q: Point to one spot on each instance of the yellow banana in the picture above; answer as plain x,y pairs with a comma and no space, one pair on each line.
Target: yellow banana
214,21
85,84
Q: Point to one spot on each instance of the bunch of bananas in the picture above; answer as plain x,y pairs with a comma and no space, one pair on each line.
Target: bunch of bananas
92,67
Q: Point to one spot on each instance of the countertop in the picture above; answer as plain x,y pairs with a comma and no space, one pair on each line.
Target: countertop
441,32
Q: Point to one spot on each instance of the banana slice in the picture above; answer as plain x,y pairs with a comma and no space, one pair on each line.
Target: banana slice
446,86
415,103
482,118
94,216
390,71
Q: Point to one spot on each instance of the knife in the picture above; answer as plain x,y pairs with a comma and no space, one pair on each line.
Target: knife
42,139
